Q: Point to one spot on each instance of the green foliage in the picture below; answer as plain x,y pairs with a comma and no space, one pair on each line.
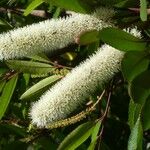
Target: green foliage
29,67
122,40
75,5
45,83
77,137
135,139
143,10
139,88
6,95
94,136
88,37
133,64
32,6
124,125
145,115
114,37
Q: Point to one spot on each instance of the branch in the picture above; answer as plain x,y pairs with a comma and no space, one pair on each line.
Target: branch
137,10
36,13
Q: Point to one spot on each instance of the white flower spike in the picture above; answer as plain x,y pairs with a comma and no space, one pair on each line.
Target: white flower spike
50,35
64,97
72,91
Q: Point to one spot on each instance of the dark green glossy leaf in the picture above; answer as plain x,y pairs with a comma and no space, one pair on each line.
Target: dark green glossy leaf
7,94
75,5
136,136
145,115
122,40
77,137
139,89
40,86
29,66
133,64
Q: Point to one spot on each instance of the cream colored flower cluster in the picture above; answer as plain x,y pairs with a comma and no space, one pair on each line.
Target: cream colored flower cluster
72,91
50,35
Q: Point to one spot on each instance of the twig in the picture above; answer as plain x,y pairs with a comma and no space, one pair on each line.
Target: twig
137,10
102,119
36,13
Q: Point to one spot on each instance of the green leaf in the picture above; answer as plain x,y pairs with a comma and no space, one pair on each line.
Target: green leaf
70,56
7,94
133,64
122,40
77,137
2,84
57,12
139,89
26,78
29,66
40,86
94,136
14,129
121,4
127,4
145,115
3,70
143,10
75,5
32,6
88,37
5,23
134,112
40,57
136,136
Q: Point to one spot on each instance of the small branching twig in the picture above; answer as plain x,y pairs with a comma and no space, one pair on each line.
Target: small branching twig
77,117
104,116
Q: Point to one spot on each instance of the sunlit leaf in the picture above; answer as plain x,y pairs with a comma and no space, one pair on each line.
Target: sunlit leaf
40,86
32,6
143,10
7,94
70,56
136,136
134,111
94,136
